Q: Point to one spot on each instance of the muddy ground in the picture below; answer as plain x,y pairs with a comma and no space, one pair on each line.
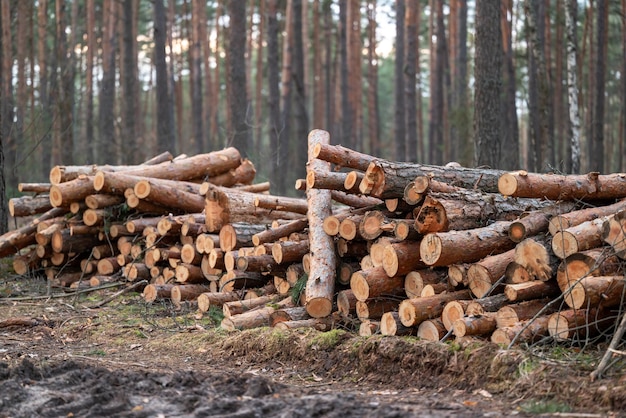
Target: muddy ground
63,357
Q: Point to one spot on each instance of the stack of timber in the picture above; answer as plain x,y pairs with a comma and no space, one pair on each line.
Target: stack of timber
372,245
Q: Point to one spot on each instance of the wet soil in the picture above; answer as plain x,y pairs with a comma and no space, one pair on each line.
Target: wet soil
64,358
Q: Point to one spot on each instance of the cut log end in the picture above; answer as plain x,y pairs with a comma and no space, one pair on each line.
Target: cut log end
430,249
507,184
319,307
564,244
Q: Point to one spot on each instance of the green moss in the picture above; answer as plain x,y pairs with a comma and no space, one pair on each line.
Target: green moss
544,407
327,340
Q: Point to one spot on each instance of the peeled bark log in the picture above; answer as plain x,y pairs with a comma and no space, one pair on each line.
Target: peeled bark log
320,286
414,311
578,238
386,179
453,247
592,186
483,275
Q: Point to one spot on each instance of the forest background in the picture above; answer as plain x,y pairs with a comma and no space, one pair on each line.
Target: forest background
534,84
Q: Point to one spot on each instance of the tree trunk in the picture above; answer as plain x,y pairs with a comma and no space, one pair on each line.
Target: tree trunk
414,311
166,138
400,110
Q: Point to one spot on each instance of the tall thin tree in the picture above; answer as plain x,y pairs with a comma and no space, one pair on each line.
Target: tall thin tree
571,12
596,150
410,80
166,140
399,94
239,132
106,113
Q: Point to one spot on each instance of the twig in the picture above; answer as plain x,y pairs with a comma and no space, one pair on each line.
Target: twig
121,292
609,352
60,295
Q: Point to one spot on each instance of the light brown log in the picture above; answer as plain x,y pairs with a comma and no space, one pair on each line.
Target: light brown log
346,302
102,251
390,324
374,223
234,236
205,243
386,179
23,263
242,175
34,187
592,186
398,205
573,218
352,181
452,311
400,258
580,324
474,325
453,247
320,324
170,195
324,179
44,236
535,257
297,313
189,255
516,273
355,201
366,284
183,292
341,156
109,265
537,221
320,287
614,233
154,292
523,332
349,227
72,191
596,262
282,285
345,270
67,279
457,274
20,238
483,275
189,274
283,203
509,315
415,280
259,263
275,233
289,251
403,229
594,291
416,310
217,299
63,242
93,217
254,318
134,271
263,187
584,236
368,328
29,205
487,304
100,201
237,307
375,308
431,330
531,290
216,259
235,280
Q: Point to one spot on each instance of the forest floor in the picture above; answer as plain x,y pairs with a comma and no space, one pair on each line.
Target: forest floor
61,357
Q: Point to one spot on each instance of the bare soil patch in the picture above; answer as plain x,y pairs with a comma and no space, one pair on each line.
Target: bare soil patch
60,357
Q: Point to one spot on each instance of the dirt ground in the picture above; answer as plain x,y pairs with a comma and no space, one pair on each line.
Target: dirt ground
63,357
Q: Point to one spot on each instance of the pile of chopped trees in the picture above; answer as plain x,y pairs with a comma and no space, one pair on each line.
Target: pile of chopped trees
379,246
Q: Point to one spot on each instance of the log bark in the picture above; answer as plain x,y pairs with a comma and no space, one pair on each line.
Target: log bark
242,175
375,223
613,233
346,302
415,280
386,179
584,236
453,311
524,332
390,324
101,201
184,292
238,235
431,330
234,280
366,284
596,291
72,191
341,156
531,290
297,313
538,221
443,248
376,307
414,311
254,318
324,179
400,258
217,299
189,274
63,242
34,187
355,201
237,307
320,324
320,287
282,203
169,195
274,234
289,251
153,292
29,205
488,304
474,325
368,328
596,262
579,324
509,315
535,257
457,274
567,220
592,186
483,275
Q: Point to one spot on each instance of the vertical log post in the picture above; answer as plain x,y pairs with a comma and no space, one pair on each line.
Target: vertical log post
320,285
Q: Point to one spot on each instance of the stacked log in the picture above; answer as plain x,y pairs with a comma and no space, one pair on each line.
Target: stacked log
375,245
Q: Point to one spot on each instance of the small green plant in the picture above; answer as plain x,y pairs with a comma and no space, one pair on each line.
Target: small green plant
215,314
527,366
544,407
97,352
327,340
454,346
298,288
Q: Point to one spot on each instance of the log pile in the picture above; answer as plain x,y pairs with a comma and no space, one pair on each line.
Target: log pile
373,245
